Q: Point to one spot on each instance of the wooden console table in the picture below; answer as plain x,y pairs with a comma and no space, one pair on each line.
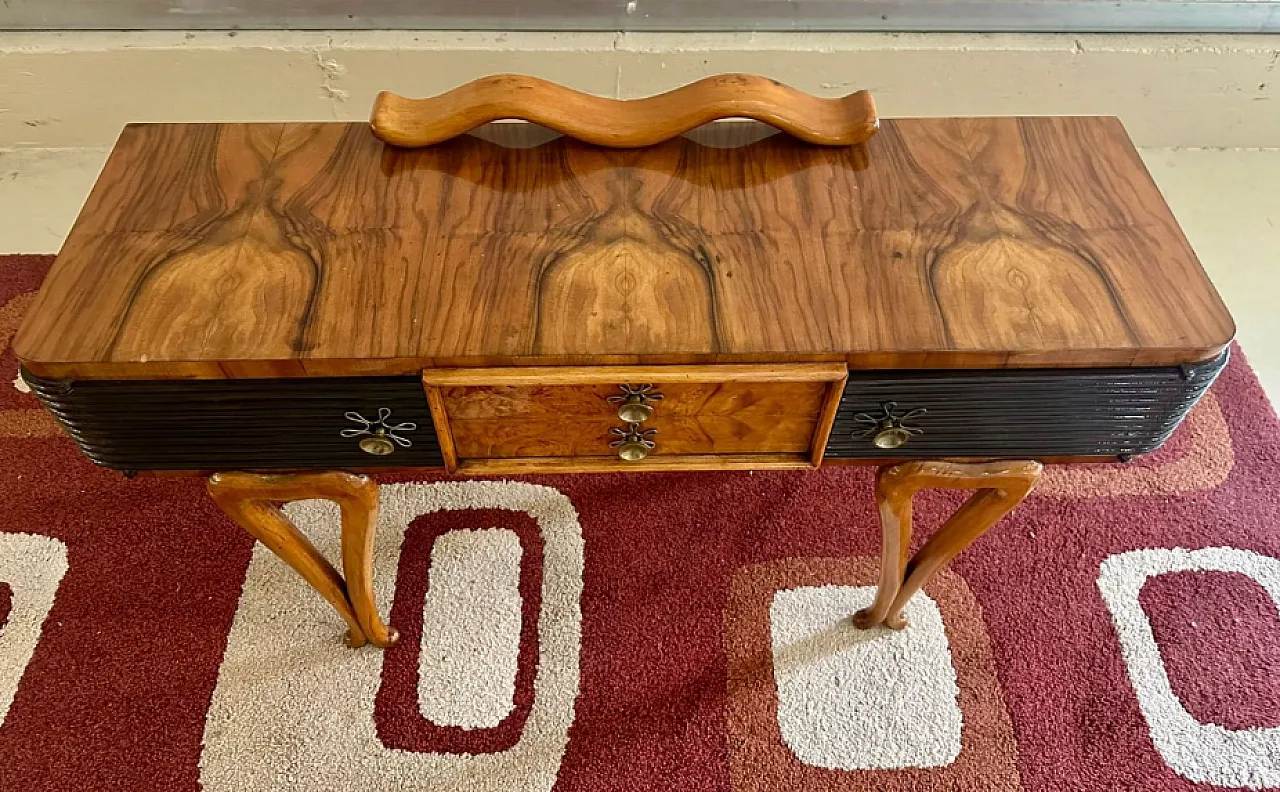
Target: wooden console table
285,307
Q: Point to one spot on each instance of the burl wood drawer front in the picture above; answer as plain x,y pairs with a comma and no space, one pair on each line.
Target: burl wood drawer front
544,418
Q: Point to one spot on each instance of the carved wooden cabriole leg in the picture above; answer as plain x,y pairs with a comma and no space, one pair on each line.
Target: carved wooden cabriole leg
1000,487
250,499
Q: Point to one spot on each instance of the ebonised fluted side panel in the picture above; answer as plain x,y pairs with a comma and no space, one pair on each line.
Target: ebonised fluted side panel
238,424
1021,413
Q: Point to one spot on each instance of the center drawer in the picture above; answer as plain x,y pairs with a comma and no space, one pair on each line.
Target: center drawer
531,419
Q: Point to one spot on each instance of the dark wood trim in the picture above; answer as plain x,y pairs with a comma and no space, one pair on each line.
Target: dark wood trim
1020,414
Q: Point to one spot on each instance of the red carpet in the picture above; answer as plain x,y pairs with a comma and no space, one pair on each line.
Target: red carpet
646,632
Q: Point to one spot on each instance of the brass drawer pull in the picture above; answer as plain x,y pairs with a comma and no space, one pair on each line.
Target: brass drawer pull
633,402
633,443
889,430
379,437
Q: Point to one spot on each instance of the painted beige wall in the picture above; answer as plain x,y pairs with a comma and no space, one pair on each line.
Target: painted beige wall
78,89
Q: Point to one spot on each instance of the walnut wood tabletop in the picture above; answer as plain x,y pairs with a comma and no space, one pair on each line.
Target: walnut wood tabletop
288,250
960,300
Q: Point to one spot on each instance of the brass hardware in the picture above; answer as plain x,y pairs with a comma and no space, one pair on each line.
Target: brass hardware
632,452
888,430
633,404
379,437
891,438
633,443
635,412
378,445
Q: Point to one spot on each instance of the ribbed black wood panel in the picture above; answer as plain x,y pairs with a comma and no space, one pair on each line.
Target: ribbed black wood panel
1018,413
238,424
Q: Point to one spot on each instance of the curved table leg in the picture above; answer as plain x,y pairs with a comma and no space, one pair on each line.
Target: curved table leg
359,529
1000,487
895,546
250,500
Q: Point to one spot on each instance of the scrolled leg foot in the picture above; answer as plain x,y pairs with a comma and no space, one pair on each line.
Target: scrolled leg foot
866,618
895,621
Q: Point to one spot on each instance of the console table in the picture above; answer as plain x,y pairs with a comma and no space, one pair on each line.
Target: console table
286,307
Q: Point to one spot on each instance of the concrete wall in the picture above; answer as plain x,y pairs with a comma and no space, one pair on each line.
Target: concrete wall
78,89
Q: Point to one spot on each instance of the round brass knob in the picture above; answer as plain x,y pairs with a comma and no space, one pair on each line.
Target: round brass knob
633,443
888,429
635,411
893,437
633,451
378,445
634,402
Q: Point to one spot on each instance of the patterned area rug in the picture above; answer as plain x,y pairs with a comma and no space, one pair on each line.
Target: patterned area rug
646,632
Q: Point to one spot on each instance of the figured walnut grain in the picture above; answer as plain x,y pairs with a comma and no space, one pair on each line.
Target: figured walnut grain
232,250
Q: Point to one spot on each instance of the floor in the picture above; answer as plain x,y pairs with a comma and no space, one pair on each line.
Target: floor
1228,202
